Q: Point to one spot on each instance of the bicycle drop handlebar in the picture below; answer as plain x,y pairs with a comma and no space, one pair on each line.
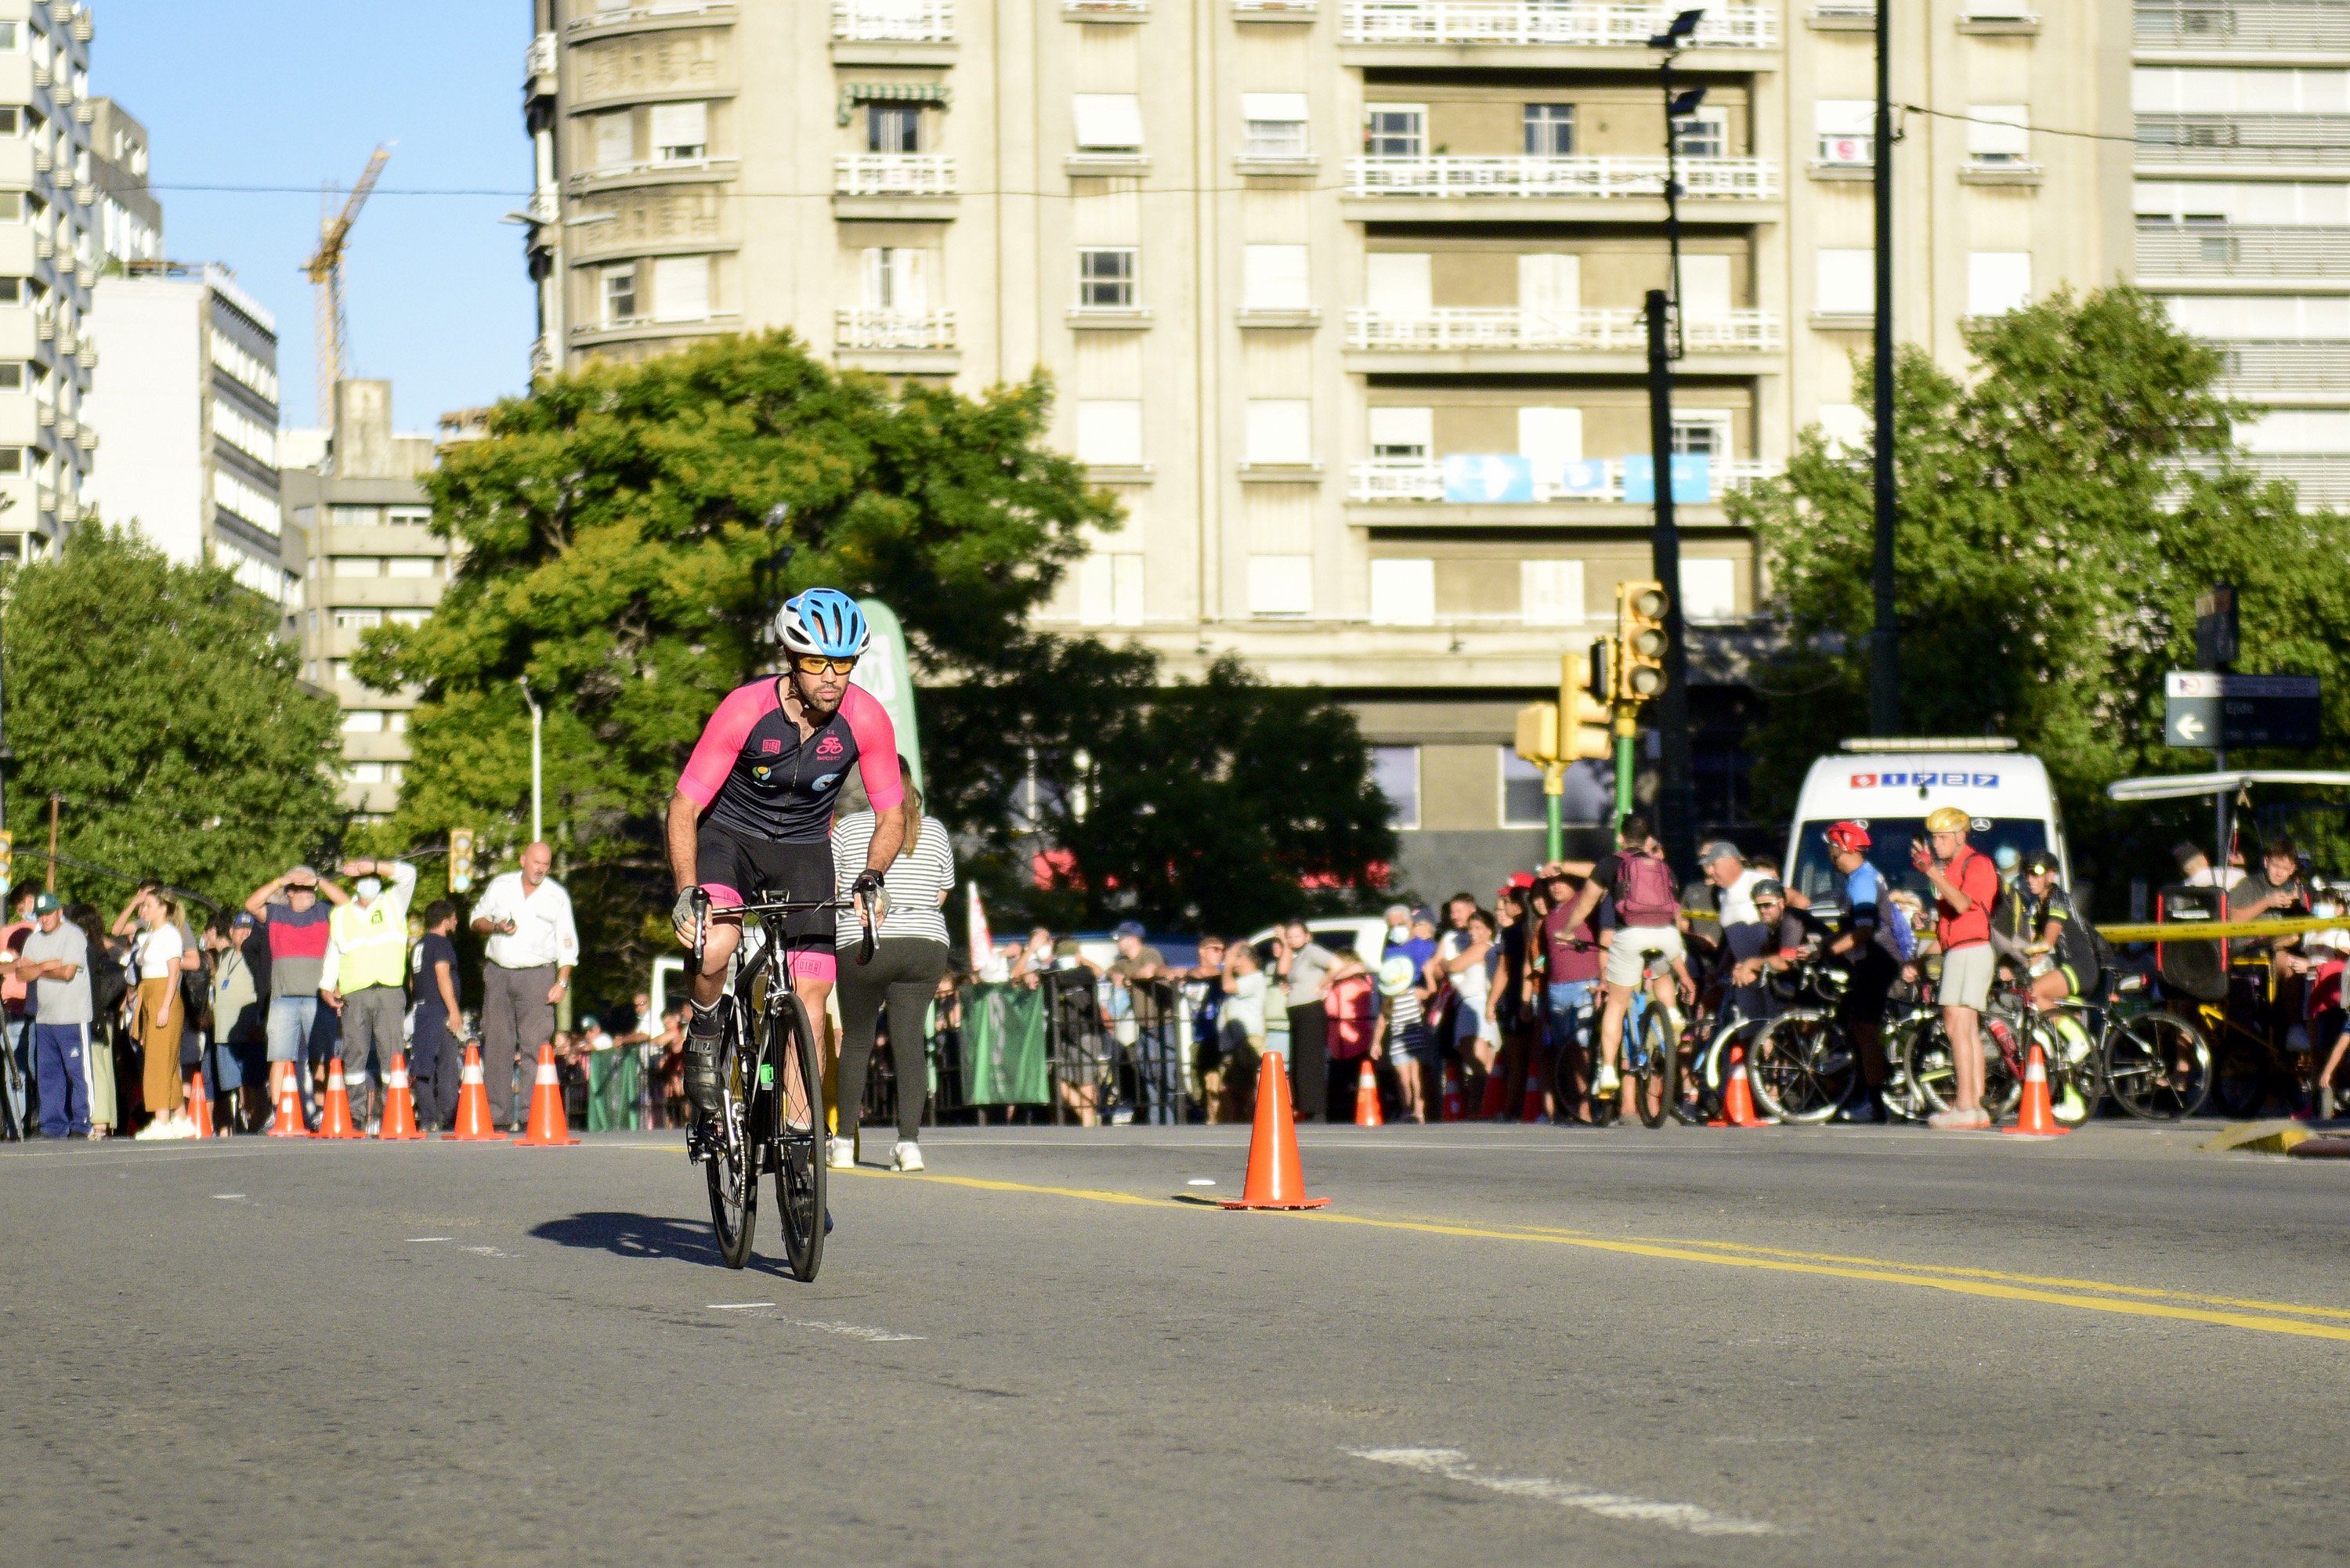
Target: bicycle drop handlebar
704,909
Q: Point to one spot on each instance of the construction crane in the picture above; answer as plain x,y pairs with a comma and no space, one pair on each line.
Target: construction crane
325,270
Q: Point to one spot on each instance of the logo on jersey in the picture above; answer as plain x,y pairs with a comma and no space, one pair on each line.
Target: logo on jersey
771,746
823,783
828,748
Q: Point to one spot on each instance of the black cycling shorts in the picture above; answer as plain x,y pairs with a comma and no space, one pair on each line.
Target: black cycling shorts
1873,974
731,868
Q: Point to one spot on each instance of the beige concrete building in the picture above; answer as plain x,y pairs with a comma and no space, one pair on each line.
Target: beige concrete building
358,538
1341,297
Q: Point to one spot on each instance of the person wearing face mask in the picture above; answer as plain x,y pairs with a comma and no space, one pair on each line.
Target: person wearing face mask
365,979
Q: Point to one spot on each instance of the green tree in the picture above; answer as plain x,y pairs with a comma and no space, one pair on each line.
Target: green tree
153,698
2060,509
624,533
1222,801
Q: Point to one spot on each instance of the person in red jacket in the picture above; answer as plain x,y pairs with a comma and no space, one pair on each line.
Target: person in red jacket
1965,884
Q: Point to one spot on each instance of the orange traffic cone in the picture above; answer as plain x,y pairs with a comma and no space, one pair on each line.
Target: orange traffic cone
289,1122
1452,1110
334,1120
549,1128
2035,1118
1497,1094
399,1104
1366,1098
200,1107
1275,1181
1738,1095
1533,1109
473,1123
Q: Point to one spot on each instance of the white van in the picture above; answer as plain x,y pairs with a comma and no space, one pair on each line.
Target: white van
1892,784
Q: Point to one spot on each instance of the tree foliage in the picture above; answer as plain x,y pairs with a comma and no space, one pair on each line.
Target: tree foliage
153,698
2059,512
1225,800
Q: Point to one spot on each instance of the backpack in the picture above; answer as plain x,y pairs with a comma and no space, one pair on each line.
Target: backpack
1644,891
106,984
1896,921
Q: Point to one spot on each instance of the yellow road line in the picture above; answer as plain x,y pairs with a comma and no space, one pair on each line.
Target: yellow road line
1780,1263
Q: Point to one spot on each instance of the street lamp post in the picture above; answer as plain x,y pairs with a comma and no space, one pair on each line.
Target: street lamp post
1884,665
537,827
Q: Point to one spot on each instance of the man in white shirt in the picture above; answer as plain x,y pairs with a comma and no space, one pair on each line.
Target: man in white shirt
1725,866
2195,869
526,967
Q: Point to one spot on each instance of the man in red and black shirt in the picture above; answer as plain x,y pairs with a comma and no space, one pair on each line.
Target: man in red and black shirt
1965,885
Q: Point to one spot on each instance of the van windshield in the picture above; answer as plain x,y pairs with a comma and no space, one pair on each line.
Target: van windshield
1816,874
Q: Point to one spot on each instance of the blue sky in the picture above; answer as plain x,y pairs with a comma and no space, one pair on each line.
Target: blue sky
295,93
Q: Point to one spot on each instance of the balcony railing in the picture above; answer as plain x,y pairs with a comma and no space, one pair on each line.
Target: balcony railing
2267,27
1575,25
1591,331
2285,365
1703,178
539,59
893,174
2210,249
2245,138
894,21
1422,480
716,11
893,329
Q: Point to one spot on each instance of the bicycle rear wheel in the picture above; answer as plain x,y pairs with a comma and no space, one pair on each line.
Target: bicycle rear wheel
797,1135
2158,1066
1653,1086
1802,1067
732,1164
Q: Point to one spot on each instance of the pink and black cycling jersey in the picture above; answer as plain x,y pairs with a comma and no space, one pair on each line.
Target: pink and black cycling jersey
752,774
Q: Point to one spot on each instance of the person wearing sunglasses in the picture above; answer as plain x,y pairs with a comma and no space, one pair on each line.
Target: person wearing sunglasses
754,808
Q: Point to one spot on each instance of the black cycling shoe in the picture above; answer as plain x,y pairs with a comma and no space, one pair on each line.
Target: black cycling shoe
702,1073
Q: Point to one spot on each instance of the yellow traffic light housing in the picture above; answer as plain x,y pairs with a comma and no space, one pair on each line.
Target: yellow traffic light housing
1538,732
1590,713
7,860
1640,642
461,859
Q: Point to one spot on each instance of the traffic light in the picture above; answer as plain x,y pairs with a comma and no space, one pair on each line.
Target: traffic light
7,861
1538,732
1590,713
461,859
1639,640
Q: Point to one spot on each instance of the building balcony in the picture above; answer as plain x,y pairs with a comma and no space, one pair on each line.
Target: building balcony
1274,10
660,13
651,171
1841,16
1596,480
893,174
643,328
2000,171
2310,367
1576,25
893,21
1106,10
1999,21
1513,331
2167,251
2236,27
540,66
2263,141
893,330
1578,178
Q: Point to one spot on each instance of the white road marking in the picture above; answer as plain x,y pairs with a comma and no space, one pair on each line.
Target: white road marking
230,1197
492,1252
1452,1464
1201,1182
430,1238
737,1306
853,1330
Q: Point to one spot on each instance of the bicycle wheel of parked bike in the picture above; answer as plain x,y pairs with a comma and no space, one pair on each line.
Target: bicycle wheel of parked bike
1928,1065
2156,1066
1656,1084
732,1165
797,1105
2245,1075
1802,1066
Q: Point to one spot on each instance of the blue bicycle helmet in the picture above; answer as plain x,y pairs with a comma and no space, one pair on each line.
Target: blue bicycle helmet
824,621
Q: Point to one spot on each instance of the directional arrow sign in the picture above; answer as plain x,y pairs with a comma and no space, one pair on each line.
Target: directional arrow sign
2201,709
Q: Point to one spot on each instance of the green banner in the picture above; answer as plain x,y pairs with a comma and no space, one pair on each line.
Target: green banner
884,673
614,1079
1003,1047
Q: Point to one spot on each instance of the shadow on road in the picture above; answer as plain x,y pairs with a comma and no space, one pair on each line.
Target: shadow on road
644,1236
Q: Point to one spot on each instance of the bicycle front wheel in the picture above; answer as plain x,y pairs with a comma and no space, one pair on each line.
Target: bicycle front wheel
732,1164
799,1134
1653,1089
1802,1067
2158,1066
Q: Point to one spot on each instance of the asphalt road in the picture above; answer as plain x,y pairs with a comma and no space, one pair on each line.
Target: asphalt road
1499,1346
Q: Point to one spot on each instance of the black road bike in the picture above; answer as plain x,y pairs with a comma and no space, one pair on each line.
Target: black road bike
771,1111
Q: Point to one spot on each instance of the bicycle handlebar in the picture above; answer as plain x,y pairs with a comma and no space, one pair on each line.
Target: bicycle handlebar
704,909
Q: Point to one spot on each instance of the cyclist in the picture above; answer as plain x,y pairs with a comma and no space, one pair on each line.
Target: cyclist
2057,933
1875,942
754,808
1647,912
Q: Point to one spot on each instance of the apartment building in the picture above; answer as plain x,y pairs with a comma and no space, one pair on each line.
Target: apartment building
2242,201
359,539
189,402
1341,296
50,256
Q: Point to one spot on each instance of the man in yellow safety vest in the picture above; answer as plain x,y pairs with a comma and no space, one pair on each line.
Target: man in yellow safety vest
366,974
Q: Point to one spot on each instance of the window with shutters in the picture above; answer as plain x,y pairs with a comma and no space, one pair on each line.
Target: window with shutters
682,289
1276,125
1109,432
1274,277
615,138
1395,129
1280,431
1107,121
1403,592
1703,134
897,278
893,127
1999,135
1105,278
680,132
1281,585
1402,435
1550,129
1398,283
620,284
1997,282
1550,592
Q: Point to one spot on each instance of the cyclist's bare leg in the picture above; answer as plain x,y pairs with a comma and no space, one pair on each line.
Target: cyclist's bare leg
1613,1000
2049,990
720,938
1964,1027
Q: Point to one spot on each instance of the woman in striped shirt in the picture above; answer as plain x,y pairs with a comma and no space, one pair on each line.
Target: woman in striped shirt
907,960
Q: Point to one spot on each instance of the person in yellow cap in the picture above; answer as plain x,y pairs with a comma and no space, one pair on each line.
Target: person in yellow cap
1966,884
